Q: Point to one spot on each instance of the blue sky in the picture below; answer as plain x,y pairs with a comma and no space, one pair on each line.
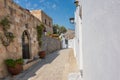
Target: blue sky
59,10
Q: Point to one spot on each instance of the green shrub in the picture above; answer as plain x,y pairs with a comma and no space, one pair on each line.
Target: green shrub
10,62
8,35
39,29
19,61
5,23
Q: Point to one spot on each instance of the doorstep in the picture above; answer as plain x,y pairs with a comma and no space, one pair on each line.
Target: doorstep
29,64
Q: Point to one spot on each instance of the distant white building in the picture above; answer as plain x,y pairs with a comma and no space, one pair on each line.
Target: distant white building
63,41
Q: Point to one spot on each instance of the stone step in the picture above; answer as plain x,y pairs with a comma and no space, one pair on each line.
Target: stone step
29,64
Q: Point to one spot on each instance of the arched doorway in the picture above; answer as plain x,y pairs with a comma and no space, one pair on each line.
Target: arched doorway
26,45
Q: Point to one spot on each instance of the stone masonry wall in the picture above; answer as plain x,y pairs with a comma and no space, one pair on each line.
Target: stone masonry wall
45,19
21,20
50,44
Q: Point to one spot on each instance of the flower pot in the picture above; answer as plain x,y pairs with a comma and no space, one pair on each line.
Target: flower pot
15,70
42,54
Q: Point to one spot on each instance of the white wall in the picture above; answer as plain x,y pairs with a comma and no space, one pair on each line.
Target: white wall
78,38
101,39
63,41
71,44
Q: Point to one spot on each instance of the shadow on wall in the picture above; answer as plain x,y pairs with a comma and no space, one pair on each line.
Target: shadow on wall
50,44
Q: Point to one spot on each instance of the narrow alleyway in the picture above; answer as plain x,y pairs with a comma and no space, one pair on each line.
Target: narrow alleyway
55,66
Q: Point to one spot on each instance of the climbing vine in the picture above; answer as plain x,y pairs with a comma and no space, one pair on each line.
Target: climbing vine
7,37
5,24
39,29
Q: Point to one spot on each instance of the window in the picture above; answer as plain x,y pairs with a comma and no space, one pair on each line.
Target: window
49,24
14,11
45,21
5,4
26,25
11,11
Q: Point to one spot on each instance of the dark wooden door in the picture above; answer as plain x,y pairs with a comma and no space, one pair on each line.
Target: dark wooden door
25,46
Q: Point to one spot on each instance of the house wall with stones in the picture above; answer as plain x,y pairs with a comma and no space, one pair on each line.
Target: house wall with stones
50,44
21,20
45,19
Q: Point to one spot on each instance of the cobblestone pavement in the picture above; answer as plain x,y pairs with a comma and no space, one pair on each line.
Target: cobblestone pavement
56,66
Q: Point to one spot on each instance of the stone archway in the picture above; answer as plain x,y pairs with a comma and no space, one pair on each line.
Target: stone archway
26,45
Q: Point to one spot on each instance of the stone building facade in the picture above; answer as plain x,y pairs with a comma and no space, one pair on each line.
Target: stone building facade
45,19
23,25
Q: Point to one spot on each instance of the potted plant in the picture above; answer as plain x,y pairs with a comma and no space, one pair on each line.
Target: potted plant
42,54
14,66
19,63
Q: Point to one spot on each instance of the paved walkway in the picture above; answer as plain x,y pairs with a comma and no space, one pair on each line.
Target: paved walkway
55,66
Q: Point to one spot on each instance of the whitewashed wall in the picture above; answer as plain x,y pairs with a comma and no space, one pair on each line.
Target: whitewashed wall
78,38
63,41
71,44
64,45
101,39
